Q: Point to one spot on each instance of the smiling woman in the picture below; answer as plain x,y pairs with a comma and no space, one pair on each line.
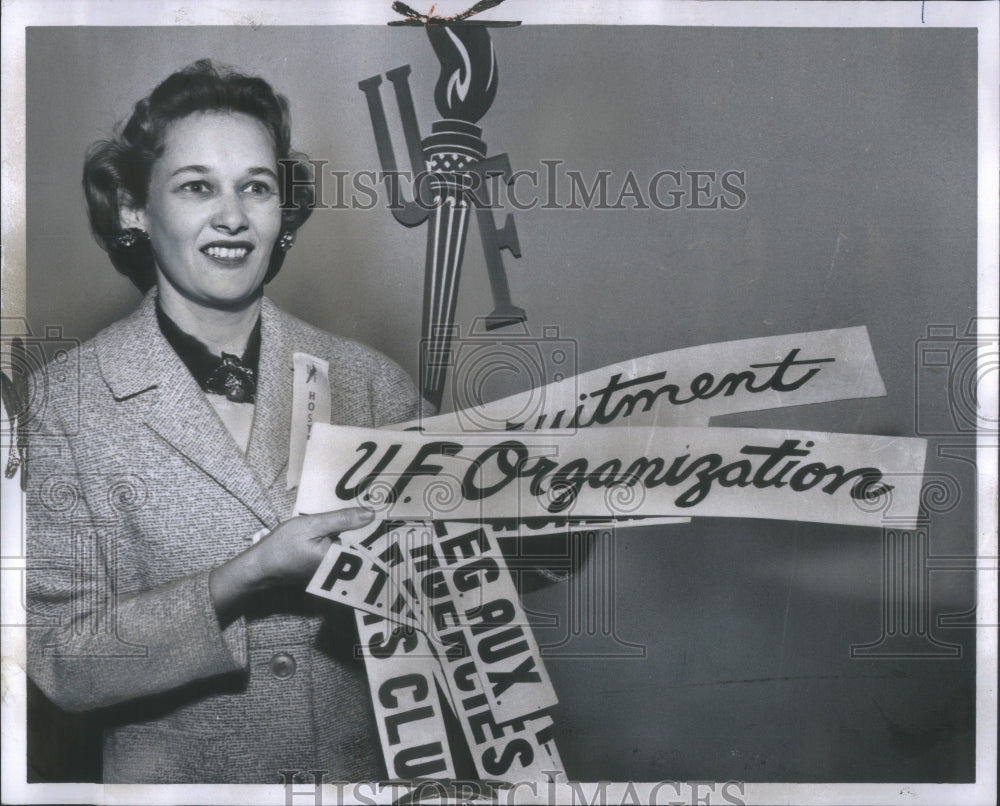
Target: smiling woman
212,213
162,468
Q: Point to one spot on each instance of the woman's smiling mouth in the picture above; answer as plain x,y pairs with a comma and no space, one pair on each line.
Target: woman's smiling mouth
229,252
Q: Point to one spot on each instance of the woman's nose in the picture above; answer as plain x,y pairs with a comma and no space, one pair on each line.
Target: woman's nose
230,216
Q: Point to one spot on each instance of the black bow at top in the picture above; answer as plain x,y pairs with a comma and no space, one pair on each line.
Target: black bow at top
416,16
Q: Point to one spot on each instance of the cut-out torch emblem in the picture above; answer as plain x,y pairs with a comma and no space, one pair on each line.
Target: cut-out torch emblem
451,171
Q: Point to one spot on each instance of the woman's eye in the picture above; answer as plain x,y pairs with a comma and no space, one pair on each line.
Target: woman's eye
259,189
196,186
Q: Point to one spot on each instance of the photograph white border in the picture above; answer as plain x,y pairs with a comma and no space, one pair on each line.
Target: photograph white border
20,14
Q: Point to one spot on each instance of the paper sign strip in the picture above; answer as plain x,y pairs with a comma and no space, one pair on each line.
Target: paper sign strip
348,575
721,378
408,710
456,568
393,581
504,743
849,479
686,386
515,750
470,606
310,404
540,527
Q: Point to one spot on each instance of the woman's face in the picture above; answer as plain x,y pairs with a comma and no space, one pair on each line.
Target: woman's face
213,210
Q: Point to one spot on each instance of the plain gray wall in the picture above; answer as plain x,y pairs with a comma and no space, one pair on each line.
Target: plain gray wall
859,152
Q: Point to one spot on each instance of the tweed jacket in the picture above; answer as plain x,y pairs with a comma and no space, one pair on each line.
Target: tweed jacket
136,491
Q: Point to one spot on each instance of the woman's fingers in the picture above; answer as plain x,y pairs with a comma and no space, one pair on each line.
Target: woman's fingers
342,520
291,552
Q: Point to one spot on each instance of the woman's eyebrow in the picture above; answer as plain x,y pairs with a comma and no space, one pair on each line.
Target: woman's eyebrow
262,170
200,169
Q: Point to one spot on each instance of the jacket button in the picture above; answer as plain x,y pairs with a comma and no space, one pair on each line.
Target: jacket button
282,665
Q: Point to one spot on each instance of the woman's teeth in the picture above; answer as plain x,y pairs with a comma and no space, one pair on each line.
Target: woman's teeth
227,253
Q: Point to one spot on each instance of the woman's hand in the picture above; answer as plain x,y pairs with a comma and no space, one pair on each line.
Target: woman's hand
288,555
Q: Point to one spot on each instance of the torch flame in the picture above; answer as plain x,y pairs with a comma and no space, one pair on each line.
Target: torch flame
467,85
455,83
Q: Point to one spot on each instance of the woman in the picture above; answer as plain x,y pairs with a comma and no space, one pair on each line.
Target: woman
166,577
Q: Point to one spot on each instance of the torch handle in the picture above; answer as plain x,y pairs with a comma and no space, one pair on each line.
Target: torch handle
447,229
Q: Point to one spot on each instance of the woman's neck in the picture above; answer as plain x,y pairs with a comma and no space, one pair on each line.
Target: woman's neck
225,330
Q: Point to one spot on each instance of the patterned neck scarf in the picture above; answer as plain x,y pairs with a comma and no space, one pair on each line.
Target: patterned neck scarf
229,375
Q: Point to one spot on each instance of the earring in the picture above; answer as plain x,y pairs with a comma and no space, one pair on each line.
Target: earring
286,240
127,238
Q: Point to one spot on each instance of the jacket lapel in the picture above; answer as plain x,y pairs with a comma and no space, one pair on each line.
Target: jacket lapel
140,367
268,451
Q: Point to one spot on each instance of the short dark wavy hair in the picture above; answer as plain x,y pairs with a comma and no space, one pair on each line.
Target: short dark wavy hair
119,168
